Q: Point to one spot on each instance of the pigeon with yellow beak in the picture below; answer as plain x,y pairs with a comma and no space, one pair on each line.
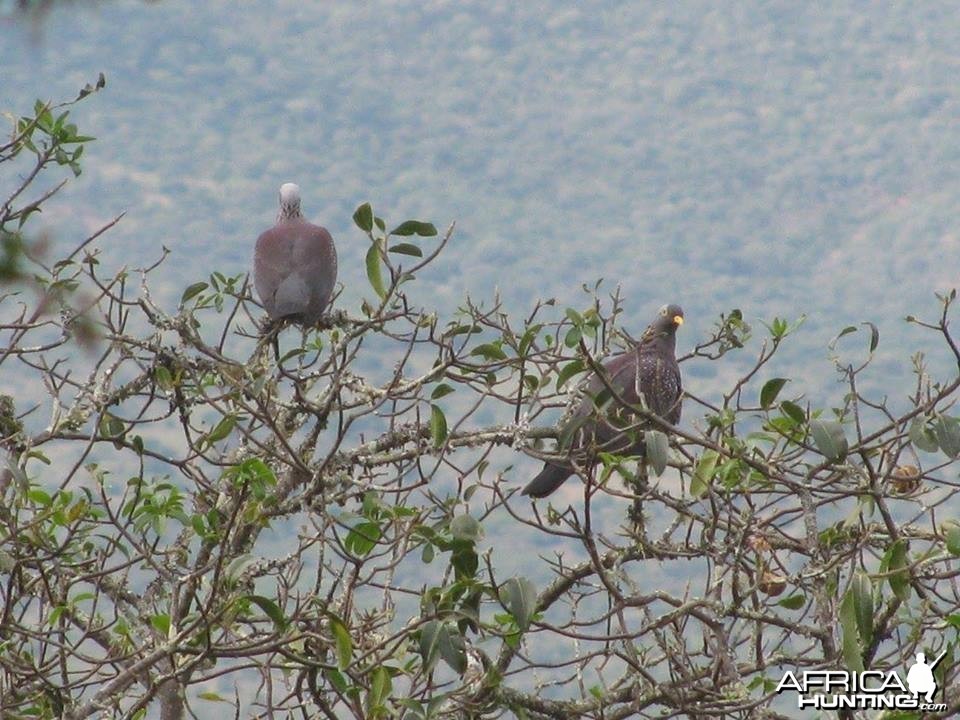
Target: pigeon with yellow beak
647,375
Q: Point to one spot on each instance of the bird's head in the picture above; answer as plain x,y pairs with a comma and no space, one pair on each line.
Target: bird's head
669,318
289,202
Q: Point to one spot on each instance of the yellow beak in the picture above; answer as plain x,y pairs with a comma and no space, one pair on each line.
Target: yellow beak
678,320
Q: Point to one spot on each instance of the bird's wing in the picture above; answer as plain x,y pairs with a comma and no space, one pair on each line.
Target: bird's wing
599,399
315,260
271,263
616,384
313,249
674,386
658,381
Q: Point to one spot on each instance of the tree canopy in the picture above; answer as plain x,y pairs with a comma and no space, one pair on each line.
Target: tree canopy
189,522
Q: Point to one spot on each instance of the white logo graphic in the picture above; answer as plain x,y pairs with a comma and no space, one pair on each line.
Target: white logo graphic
870,689
920,678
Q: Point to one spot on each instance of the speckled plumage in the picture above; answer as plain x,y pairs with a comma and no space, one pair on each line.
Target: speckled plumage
648,373
294,264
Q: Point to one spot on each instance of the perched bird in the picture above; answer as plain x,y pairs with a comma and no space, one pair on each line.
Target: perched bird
294,264
648,374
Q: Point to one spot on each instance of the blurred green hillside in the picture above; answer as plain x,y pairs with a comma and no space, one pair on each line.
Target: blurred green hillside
780,158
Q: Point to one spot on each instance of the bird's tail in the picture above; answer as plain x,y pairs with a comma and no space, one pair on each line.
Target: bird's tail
549,479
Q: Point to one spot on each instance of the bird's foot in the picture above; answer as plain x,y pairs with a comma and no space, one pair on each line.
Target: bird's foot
332,319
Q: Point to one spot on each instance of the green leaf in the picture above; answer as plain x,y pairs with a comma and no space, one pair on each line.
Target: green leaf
470,612
374,274
111,426
430,643
440,391
528,337
161,623
452,649
462,329
406,249
922,436
793,411
464,559
466,527
380,687
568,371
947,430
852,647
336,679
221,431
270,609
658,450
521,600
239,565
793,602
569,431
292,353
363,217
192,291
846,331
39,497
770,390
862,591
362,538
953,540
211,696
603,403
490,351
258,471
703,474
731,473
163,377
415,227
874,336
829,438
438,425
341,637
895,565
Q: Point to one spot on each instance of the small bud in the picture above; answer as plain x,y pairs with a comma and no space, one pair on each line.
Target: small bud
905,479
771,583
758,543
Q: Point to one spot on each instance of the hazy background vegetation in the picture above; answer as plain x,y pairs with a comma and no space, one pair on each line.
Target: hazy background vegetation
778,157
